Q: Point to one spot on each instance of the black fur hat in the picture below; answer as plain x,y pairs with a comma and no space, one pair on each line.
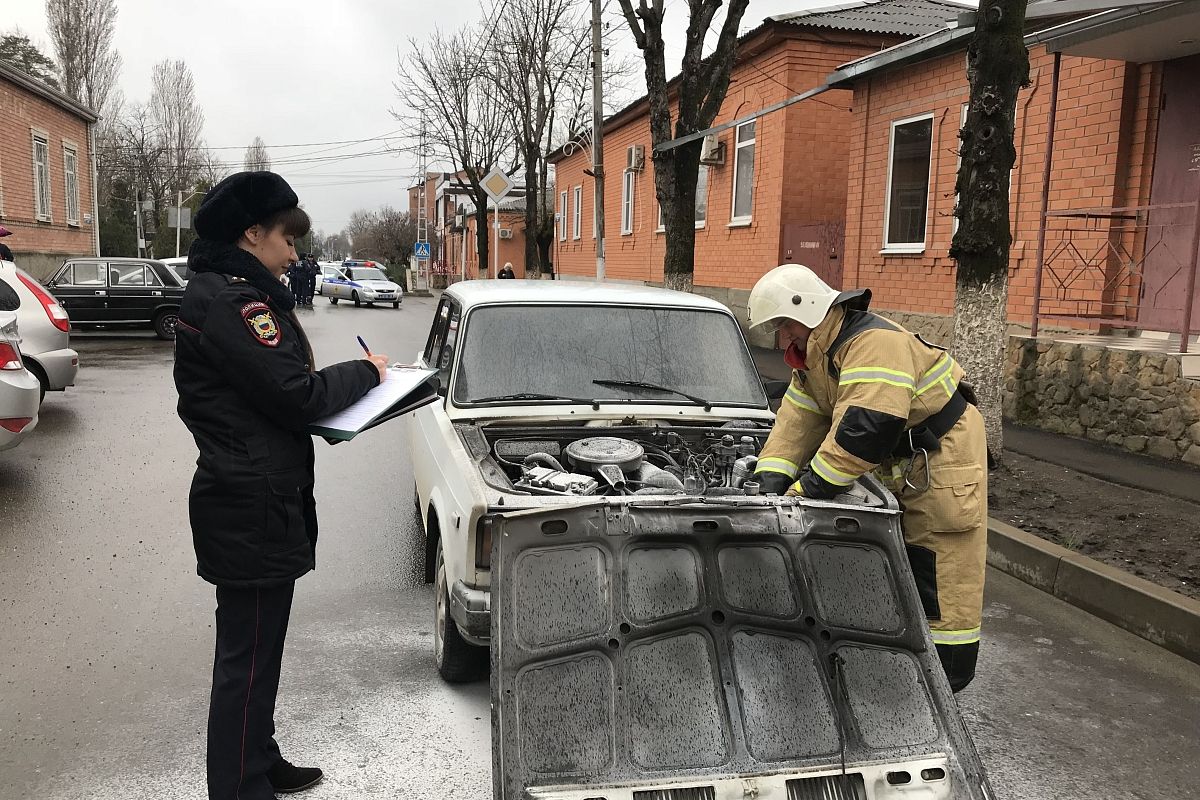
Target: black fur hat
241,201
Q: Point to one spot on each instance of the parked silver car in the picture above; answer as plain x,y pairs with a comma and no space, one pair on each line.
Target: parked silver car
45,331
20,393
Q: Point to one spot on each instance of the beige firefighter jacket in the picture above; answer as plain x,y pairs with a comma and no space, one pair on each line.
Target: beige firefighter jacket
842,418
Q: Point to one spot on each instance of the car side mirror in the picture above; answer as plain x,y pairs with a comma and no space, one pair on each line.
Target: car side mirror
775,389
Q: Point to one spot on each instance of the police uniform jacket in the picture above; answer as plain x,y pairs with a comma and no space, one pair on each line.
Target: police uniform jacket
862,383
247,391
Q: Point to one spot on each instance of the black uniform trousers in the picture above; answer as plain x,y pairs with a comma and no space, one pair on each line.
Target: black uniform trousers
251,626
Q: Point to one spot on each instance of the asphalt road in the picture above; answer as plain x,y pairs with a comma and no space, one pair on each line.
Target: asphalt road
106,631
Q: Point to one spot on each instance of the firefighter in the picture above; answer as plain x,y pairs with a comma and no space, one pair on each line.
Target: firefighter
867,395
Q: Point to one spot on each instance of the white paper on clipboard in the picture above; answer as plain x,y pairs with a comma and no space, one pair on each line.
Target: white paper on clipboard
401,382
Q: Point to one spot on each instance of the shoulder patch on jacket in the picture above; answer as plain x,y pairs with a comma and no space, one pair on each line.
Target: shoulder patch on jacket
259,319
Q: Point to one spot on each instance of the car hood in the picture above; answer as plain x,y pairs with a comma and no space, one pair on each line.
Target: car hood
386,286
678,641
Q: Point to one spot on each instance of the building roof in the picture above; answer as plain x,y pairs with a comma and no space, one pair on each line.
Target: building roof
28,82
488,292
900,17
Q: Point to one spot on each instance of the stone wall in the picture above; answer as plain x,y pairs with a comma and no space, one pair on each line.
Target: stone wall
1134,400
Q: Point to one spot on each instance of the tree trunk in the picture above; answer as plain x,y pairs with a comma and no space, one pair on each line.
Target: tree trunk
676,172
482,231
997,67
532,190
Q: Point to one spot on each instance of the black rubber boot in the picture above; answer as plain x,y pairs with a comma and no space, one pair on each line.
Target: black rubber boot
287,779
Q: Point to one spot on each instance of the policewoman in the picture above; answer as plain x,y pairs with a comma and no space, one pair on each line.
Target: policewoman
247,387
867,395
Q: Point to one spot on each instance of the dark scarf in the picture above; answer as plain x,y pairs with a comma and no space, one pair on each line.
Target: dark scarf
229,259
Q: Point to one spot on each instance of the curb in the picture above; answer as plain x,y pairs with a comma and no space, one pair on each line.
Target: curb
1145,609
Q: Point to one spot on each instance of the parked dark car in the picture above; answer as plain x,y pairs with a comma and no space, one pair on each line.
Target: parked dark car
119,292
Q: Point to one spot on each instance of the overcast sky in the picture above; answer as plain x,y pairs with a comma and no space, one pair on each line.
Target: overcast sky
302,72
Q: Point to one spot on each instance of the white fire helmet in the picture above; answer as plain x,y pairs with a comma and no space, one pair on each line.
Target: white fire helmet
792,291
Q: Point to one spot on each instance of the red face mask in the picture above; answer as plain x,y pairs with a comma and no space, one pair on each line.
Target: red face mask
795,357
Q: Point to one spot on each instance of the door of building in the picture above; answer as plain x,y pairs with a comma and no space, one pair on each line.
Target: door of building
1176,180
817,246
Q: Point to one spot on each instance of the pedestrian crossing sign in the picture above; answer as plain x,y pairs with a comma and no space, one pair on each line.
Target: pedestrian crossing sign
421,251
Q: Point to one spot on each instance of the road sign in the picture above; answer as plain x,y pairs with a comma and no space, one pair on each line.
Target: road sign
173,217
421,251
497,185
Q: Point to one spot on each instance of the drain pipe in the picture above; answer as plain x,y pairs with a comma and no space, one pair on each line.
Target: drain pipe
1049,162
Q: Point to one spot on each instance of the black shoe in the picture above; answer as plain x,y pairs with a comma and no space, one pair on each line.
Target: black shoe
287,779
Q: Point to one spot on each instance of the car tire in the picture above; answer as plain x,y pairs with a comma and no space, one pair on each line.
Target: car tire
396,304
37,372
456,660
333,301
354,297
164,324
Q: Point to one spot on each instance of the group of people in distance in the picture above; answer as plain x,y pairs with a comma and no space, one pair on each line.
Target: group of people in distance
302,278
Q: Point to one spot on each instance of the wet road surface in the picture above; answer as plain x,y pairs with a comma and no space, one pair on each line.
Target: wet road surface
107,631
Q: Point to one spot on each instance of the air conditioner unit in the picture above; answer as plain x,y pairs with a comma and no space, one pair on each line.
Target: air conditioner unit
635,158
506,233
712,152
460,220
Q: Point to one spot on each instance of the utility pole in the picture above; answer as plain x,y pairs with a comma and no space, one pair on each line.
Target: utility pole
597,136
422,213
178,222
137,215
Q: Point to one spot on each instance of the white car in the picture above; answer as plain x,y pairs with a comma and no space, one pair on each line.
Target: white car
179,267
362,285
45,331
20,392
661,629
328,269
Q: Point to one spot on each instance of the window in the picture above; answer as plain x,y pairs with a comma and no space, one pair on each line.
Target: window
743,173
562,216
70,169
910,150
41,175
85,273
577,218
701,201
627,185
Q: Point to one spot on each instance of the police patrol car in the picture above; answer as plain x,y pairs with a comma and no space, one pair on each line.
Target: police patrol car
361,282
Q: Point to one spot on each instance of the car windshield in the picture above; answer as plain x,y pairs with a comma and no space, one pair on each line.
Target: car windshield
563,350
368,274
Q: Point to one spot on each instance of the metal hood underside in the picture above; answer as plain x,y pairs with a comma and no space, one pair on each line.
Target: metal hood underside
675,643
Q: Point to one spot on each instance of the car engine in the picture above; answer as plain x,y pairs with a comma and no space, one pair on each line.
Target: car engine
705,461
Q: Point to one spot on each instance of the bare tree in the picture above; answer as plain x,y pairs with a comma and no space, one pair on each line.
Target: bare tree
700,89
83,34
180,123
997,67
256,157
454,108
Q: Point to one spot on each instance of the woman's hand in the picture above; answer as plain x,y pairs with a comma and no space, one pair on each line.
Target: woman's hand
380,362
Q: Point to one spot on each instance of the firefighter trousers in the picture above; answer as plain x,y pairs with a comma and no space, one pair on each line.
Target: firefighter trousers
944,499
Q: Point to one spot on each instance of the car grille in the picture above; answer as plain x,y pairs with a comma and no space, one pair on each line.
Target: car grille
690,793
828,787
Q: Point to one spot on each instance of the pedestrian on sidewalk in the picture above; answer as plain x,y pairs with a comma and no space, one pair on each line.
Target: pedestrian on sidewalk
867,395
507,271
248,389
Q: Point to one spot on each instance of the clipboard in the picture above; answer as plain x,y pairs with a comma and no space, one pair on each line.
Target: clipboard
404,391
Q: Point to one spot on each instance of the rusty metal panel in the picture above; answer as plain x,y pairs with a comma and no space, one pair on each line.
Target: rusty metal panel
670,643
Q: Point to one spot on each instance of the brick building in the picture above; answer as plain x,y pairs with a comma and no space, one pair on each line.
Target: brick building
1118,247
47,196
775,187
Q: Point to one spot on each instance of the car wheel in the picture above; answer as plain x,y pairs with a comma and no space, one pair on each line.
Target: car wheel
354,297
396,304
333,301
456,660
164,324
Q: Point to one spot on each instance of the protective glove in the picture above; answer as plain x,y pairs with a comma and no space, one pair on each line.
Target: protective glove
772,482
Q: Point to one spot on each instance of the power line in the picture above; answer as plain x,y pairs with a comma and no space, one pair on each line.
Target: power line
301,144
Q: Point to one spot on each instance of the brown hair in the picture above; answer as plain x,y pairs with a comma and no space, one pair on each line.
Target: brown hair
294,221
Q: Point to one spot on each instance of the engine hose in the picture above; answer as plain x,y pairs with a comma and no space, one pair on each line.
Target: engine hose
545,459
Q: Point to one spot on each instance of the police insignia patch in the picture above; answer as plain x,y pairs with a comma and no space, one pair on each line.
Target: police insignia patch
261,323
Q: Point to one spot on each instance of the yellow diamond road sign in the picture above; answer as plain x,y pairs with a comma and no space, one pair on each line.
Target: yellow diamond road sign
497,185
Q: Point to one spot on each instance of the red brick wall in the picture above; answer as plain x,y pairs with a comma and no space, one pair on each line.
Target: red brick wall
22,111
801,161
1098,162
511,250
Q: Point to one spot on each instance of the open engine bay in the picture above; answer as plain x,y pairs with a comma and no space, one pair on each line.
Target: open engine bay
591,459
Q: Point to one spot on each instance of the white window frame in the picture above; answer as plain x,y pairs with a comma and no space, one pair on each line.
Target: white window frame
562,215
745,219
577,217
905,247
628,187
41,192
71,193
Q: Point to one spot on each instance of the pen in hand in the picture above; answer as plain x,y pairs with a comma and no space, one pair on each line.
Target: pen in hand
366,349
380,361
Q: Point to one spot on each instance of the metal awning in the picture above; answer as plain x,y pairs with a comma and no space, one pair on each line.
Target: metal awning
1132,33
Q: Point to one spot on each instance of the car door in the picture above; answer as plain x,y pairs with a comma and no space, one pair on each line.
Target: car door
135,294
81,288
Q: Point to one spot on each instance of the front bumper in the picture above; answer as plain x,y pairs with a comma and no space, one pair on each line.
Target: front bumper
471,610
60,366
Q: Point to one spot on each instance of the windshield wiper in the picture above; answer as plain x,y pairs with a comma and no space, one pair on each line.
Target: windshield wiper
595,404
700,401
